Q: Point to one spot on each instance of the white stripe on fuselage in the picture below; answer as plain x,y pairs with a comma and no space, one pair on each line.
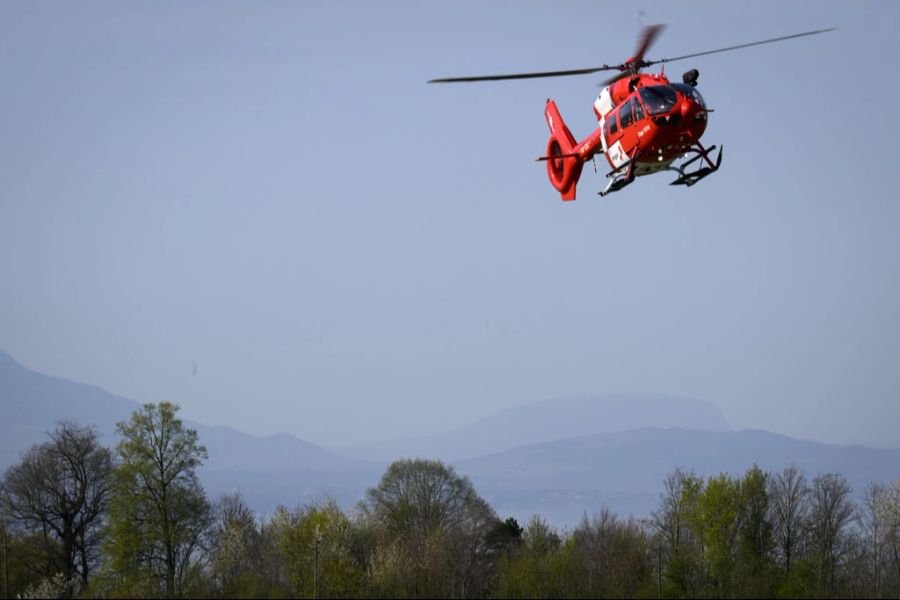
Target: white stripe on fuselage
603,134
617,156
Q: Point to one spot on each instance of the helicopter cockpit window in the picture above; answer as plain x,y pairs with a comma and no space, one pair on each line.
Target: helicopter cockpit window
611,123
691,92
638,111
625,114
658,99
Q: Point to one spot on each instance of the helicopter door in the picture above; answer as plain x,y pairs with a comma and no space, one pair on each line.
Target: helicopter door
615,154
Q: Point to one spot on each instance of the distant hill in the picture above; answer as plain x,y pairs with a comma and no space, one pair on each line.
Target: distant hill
32,402
524,460
625,470
549,420
267,470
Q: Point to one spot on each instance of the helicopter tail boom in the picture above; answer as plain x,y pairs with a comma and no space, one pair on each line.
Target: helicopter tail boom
563,163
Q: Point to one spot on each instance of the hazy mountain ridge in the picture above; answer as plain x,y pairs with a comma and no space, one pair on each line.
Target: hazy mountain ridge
554,419
37,401
559,477
32,402
625,470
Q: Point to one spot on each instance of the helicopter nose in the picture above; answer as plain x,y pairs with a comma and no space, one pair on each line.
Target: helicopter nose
686,107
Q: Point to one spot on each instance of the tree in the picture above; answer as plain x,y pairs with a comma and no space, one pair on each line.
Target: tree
788,494
314,546
433,521
60,491
718,519
546,566
890,517
831,511
235,553
871,520
159,513
25,561
613,557
416,497
675,524
755,564
505,537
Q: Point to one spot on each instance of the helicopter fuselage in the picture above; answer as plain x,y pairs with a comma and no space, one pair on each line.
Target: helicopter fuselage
645,123
648,119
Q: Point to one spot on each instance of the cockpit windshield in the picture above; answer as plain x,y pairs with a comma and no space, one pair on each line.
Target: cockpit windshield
691,92
658,99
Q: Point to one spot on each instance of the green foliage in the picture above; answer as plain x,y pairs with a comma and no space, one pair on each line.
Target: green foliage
717,522
757,573
505,537
424,532
159,513
544,567
24,561
679,527
719,535
315,545
800,582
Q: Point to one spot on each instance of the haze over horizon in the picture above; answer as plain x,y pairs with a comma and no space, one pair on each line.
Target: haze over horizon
262,213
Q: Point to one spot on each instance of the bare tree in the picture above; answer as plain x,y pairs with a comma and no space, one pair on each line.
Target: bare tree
594,540
831,511
890,517
441,522
613,555
871,520
60,490
235,546
788,493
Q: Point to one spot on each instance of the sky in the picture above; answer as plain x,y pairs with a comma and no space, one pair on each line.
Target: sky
270,193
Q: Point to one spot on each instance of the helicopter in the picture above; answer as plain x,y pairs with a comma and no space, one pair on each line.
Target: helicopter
645,122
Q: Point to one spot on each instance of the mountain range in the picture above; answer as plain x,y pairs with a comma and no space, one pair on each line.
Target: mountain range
554,419
559,458
267,470
624,470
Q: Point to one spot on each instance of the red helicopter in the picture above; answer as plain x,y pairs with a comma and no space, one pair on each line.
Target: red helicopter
646,122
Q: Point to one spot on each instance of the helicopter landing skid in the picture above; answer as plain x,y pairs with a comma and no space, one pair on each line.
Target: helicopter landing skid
689,179
619,179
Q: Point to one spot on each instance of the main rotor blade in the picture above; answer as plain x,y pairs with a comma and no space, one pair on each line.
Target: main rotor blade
525,75
615,78
648,37
778,39
650,34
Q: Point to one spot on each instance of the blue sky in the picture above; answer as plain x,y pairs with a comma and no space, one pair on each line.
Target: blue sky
271,192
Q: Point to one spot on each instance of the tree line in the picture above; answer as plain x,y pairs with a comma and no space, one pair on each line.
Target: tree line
78,519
